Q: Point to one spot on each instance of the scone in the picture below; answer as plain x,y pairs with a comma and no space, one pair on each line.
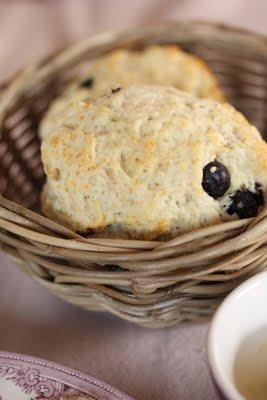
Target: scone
156,65
147,161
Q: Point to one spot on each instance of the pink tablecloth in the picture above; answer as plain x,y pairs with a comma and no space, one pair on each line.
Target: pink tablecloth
163,364
147,364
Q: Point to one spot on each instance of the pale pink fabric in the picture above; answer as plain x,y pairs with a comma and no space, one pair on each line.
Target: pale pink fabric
167,364
163,364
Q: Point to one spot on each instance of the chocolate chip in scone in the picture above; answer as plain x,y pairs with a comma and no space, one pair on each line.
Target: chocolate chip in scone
216,179
87,83
115,90
245,203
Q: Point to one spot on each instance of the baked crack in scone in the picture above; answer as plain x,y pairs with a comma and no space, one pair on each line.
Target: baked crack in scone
147,161
155,65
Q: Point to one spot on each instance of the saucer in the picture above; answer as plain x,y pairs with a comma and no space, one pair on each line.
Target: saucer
29,378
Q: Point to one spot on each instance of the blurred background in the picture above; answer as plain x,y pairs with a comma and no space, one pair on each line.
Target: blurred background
31,28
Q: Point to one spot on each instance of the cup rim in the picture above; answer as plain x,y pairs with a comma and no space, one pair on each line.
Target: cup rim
225,385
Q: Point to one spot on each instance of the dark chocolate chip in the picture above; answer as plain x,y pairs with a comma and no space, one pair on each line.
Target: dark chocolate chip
216,179
245,203
115,90
87,83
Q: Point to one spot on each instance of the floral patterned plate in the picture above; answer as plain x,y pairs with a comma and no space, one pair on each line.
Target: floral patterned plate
29,378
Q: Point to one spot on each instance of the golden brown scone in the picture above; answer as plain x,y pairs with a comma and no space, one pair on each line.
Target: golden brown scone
156,65
147,161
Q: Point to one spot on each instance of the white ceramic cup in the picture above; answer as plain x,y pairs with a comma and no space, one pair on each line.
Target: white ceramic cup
241,314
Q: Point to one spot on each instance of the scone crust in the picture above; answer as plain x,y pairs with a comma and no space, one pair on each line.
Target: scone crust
130,164
155,65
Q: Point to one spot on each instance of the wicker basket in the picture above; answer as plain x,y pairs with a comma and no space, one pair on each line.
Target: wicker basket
154,284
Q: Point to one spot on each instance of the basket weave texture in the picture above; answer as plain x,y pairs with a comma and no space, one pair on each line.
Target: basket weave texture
154,284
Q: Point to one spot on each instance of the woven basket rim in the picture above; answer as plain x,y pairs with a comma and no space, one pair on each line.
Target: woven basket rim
40,62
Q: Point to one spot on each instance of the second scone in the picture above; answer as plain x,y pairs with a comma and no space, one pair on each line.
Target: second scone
155,65
147,161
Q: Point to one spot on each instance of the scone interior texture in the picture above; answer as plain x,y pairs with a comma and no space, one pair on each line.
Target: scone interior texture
146,161
155,65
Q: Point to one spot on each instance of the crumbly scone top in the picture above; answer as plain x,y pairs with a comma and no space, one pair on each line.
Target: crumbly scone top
132,161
